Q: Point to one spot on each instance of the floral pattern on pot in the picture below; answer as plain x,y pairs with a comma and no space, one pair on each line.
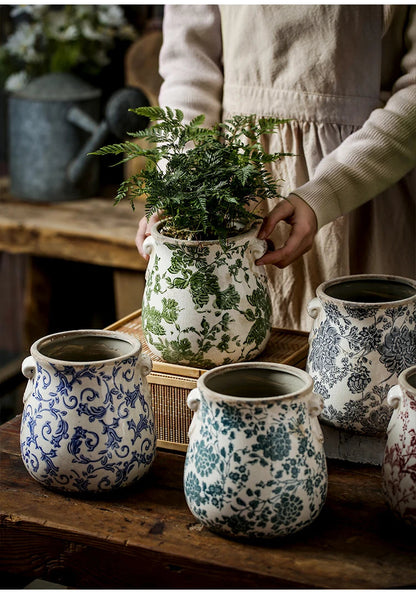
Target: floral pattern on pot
87,427
255,468
399,463
206,304
357,350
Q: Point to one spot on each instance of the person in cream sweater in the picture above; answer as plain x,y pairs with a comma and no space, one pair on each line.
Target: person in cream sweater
345,77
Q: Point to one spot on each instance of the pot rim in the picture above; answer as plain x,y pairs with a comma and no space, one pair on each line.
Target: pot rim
248,234
135,344
403,379
321,290
273,366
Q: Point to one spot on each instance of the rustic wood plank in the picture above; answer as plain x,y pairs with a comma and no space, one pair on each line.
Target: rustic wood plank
90,230
355,543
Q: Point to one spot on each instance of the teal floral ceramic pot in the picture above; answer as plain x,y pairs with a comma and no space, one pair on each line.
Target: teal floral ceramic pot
205,304
87,424
363,337
255,465
399,462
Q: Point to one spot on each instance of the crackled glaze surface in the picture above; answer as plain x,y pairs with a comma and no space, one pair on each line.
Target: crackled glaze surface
87,426
357,351
255,467
204,305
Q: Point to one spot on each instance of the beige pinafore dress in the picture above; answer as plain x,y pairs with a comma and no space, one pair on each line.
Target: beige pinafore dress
322,67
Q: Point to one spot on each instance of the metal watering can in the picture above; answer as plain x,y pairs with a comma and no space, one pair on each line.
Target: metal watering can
53,125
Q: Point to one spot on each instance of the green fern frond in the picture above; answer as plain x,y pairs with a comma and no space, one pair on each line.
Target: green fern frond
208,187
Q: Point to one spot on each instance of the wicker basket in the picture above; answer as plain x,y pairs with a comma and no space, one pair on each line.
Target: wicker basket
170,384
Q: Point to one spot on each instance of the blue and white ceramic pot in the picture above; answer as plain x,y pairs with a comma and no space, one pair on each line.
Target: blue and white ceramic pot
255,465
88,423
206,304
363,337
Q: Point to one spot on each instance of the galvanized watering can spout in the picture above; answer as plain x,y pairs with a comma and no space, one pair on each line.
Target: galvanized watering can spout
53,124
117,121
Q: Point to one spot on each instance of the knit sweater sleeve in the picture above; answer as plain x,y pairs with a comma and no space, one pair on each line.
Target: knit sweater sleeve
374,157
190,61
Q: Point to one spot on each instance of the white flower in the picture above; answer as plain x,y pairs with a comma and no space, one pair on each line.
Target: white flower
69,34
16,81
91,33
59,28
35,11
23,41
111,15
37,39
84,11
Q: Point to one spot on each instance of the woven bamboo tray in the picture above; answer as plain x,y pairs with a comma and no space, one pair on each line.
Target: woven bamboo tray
170,384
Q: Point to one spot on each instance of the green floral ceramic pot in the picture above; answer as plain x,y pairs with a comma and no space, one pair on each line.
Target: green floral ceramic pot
255,465
206,304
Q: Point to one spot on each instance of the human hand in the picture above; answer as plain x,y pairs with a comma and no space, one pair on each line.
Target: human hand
143,231
296,212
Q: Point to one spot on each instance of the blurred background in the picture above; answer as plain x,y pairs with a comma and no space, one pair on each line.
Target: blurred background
108,47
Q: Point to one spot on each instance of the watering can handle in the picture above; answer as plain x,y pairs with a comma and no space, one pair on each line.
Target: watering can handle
100,132
117,121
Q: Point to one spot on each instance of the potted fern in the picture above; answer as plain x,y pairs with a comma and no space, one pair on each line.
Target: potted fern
206,303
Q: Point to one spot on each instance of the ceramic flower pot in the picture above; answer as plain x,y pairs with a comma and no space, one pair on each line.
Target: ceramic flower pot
203,305
364,335
255,464
87,423
399,463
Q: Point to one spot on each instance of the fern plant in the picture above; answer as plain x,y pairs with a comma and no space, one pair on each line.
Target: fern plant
211,179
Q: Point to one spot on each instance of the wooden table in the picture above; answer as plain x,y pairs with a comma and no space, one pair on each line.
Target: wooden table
145,537
91,231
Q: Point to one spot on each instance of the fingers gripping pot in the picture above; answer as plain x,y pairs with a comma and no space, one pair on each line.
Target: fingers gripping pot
87,423
255,464
363,337
399,463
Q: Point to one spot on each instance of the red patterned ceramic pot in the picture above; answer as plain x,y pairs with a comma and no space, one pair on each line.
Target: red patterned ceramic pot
399,464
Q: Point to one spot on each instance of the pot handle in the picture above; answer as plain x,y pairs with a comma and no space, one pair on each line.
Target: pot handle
29,371
146,365
395,396
394,399
193,401
258,248
315,405
148,248
314,307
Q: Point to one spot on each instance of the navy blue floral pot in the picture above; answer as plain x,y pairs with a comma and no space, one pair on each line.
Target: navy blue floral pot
87,424
363,337
255,465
